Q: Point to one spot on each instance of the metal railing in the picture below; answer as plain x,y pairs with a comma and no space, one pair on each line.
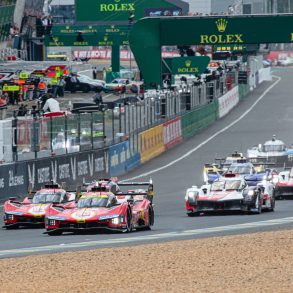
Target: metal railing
36,136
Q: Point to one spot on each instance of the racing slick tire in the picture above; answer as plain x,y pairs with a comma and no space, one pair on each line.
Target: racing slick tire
273,203
151,218
258,205
194,214
7,227
54,233
128,220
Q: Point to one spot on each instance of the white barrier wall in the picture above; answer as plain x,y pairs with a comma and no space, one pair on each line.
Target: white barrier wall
6,141
228,101
265,74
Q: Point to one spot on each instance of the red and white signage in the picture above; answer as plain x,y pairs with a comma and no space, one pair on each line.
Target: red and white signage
106,54
228,101
172,132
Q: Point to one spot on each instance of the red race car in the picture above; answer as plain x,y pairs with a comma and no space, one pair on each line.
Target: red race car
32,210
100,208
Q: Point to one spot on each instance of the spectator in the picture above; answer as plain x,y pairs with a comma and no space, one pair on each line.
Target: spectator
166,82
22,110
94,73
62,84
55,87
51,104
35,90
48,29
98,98
39,27
42,87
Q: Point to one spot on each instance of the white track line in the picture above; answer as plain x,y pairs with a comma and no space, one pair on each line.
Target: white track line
210,138
144,238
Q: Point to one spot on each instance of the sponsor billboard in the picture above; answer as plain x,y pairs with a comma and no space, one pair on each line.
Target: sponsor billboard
13,180
119,10
172,132
73,169
228,101
151,143
122,158
118,155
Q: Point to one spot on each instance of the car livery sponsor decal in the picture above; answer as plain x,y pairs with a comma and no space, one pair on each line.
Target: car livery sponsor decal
82,215
38,210
107,217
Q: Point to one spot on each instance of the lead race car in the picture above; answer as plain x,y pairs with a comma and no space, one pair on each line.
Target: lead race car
99,208
230,193
32,209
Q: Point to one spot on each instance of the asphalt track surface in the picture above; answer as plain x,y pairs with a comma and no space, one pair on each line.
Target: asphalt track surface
273,114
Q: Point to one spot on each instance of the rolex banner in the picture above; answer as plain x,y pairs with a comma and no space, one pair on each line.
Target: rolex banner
119,10
189,65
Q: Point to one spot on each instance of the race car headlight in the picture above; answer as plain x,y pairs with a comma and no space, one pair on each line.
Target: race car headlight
116,221
9,217
250,192
191,195
51,222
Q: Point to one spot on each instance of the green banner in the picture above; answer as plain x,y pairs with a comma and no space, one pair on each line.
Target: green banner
148,35
192,122
89,29
86,40
119,10
225,30
189,65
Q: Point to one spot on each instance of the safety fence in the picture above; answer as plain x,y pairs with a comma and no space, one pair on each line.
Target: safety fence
35,136
141,142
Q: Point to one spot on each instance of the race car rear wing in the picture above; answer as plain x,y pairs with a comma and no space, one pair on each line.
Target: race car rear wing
150,188
133,194
262,160
134,183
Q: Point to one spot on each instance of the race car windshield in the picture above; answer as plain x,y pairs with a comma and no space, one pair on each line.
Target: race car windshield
42,197
239,169
232,184
218,186
92,202
273,148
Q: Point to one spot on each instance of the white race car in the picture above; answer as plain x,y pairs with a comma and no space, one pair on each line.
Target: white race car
228,193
